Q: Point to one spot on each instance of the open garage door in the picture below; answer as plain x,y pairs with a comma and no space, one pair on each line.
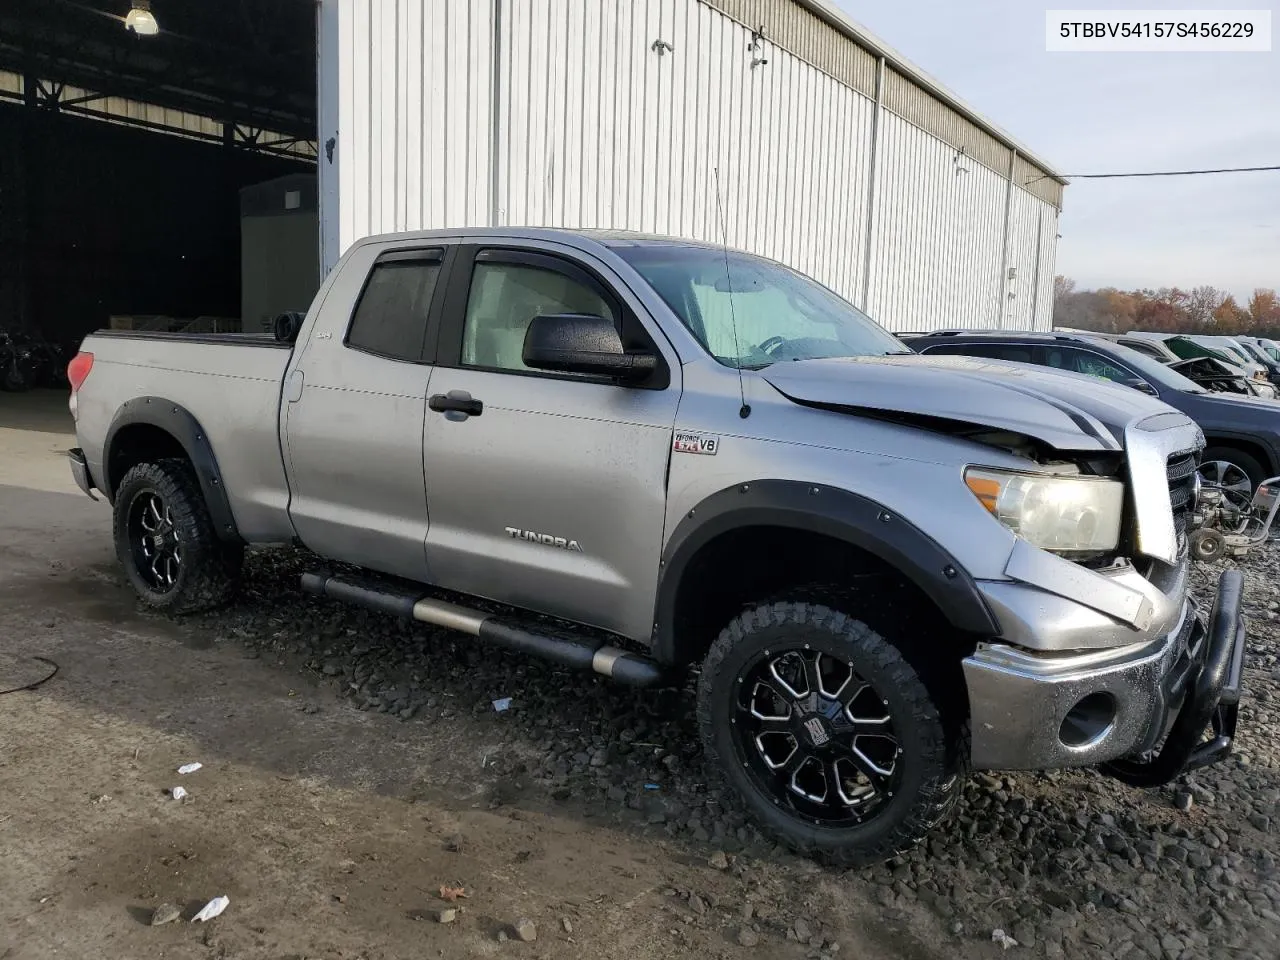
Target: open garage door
158,178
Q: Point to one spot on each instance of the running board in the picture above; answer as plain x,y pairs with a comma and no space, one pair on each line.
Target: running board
582,653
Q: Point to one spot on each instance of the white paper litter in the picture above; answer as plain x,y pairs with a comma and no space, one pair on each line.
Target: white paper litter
503,703
189,768
212,909
1002,938
178,793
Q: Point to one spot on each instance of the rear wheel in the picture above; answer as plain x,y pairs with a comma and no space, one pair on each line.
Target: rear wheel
828,735
166,542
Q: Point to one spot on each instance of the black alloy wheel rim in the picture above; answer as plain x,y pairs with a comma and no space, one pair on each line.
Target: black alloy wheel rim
156,543
815,737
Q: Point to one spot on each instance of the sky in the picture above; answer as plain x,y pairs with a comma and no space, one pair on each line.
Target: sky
1119,112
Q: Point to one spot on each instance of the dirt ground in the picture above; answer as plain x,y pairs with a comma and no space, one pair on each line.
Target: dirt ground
354,765
331,830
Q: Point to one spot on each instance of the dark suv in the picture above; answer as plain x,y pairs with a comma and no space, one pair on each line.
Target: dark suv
1242,433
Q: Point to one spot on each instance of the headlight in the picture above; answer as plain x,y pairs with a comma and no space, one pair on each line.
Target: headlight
1063,514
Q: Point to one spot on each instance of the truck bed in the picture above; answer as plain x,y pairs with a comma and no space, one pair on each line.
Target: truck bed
230,382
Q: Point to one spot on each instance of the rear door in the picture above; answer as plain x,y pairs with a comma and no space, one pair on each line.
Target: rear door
354,407
553,496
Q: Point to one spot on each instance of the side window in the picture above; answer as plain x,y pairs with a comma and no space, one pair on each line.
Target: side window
390,319
1093,365
994,351
504,299
1143,347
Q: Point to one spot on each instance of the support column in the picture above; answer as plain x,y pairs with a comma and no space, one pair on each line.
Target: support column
328,156
873,176
1002,286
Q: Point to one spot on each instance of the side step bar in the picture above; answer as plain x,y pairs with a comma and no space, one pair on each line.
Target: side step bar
582,653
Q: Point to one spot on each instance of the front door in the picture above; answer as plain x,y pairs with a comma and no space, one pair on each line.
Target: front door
355,401
546,491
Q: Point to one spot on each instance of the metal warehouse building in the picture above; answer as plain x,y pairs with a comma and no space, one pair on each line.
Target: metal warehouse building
783,121
203,173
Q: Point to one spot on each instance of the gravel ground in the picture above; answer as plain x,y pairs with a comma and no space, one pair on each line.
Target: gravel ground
1066,864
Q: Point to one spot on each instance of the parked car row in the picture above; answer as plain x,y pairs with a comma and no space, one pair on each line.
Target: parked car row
1256,375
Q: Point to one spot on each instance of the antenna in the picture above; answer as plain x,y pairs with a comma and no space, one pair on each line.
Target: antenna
745,410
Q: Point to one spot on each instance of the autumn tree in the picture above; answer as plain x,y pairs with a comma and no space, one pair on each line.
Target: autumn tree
1230,318
1201,304
1202,309
1264,308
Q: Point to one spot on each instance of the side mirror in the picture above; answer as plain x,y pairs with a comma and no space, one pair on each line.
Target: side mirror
583,343
1140,384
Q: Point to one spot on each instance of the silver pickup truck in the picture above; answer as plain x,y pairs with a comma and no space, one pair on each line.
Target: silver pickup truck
633,455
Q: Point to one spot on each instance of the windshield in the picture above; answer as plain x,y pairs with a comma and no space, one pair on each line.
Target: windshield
1255,352
749,312
1155,371
1237,352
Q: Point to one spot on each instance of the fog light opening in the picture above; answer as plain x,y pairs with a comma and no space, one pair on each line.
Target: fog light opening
1088,721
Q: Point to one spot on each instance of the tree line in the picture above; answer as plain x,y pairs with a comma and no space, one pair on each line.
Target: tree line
1167,310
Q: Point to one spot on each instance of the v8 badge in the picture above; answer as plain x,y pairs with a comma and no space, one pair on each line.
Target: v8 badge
695,443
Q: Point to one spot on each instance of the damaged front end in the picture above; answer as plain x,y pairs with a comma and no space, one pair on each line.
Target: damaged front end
1115,666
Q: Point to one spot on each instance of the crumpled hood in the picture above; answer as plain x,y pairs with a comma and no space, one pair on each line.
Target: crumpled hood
1067,411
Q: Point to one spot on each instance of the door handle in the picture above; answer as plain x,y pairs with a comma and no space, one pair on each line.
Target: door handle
456,405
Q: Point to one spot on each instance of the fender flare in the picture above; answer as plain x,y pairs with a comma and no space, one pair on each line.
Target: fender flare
175,420
831,511
1229,437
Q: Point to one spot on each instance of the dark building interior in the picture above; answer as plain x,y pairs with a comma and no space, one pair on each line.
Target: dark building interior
123,155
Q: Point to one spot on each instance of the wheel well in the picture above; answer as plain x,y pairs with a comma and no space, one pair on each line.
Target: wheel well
1243,446
750,565
139,443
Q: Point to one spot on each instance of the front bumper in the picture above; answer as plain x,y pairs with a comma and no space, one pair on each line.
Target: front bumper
1146,705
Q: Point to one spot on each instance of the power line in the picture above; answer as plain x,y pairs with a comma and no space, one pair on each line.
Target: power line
1167,173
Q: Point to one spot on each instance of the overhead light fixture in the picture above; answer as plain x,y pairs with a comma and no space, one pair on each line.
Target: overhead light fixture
140,19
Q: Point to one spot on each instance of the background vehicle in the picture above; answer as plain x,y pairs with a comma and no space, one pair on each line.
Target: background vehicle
1218,376
1242,434
1255,352
1268,347
22,362
630,454
28,361
1223,349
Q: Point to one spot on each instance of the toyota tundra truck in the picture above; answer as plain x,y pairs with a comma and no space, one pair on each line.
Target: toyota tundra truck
637,455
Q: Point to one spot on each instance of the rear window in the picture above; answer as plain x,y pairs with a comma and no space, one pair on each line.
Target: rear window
390,319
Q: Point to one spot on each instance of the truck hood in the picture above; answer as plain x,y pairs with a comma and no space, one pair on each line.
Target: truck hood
1066,411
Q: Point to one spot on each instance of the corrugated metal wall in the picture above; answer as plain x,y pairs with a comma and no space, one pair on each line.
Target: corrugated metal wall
679,143
668,116
414,115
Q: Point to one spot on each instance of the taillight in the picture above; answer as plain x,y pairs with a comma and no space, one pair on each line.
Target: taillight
78,369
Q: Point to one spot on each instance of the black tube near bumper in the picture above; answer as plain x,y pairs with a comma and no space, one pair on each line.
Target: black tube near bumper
1212,700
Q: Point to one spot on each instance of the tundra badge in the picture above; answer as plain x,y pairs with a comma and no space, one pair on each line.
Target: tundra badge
515,533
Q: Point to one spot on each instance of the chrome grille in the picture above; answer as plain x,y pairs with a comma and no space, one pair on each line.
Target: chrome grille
1181,471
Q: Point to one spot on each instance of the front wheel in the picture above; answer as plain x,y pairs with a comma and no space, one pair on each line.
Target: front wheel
1237,473
827,734
166,542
